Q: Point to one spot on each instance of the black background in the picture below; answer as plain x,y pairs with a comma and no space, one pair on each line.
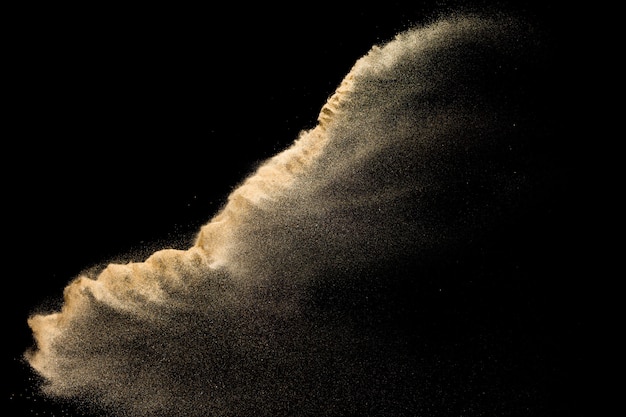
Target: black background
130,125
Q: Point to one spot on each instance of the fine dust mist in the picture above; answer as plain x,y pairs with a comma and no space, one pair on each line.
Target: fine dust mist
309,292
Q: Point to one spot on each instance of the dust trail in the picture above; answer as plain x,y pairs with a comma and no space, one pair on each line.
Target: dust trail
283,304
